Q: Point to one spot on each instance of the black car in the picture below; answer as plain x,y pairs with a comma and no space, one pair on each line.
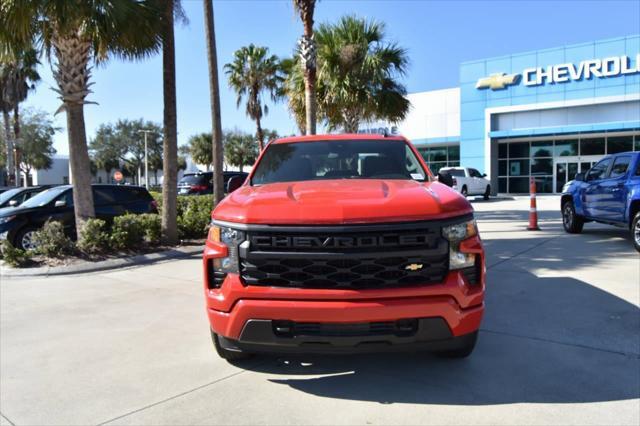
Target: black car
201,183
16,196
17,224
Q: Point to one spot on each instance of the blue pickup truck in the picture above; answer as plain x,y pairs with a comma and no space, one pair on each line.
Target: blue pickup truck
608,193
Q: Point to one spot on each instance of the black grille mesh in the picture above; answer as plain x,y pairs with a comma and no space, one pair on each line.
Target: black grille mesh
347,269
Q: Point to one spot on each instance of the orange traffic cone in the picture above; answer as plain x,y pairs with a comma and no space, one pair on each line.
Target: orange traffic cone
533,211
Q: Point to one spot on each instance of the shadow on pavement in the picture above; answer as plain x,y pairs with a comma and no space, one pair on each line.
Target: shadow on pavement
543,340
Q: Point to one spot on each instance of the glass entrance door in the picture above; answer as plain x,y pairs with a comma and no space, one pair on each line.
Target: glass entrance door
567,168
564,172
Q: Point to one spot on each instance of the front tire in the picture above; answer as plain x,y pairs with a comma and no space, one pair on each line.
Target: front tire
487,192
225,353
571,221
635,231
463,351
25,238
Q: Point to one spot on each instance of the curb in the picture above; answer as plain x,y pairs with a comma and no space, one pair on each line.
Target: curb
86,267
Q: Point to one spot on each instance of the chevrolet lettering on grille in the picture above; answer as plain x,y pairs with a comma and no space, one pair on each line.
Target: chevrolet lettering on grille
310,242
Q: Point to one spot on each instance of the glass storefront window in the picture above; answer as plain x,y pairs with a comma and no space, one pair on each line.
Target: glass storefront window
519,185
519,150
617,144
542,166
454,153
544,184
542,149
566,148
502,185
637,143
502,168
592,146
503,150
438,154
518,167
435,167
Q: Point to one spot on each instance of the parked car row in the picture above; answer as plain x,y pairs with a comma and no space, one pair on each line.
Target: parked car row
18,224
201,183
13,197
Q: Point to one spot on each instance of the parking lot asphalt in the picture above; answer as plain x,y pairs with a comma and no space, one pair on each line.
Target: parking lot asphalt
560,344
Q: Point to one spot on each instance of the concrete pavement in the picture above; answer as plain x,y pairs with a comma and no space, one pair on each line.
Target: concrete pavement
560,343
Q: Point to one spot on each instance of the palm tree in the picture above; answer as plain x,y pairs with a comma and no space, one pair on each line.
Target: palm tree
307,54
251,73
72,34
170,142
17,78
214,93
357,77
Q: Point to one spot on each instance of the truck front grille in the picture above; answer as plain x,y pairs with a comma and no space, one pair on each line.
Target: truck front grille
358,257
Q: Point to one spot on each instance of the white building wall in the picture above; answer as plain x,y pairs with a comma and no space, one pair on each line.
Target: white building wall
433,115
58,174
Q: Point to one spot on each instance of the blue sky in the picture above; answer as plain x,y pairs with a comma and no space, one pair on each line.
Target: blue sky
439,35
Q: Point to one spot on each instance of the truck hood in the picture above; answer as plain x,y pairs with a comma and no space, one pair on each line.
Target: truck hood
341,201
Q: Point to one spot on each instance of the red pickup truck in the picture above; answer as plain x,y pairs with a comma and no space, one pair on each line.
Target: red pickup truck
343,243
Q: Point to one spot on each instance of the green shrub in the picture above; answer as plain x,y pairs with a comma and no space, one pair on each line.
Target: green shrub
14,256
126,232
194,215
151,227
95,237
51,240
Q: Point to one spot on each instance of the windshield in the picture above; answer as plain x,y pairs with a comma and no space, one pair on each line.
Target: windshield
193,180
7,195
453,172
355,159
44,197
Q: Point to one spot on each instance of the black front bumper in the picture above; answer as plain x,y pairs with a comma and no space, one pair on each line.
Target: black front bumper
425,334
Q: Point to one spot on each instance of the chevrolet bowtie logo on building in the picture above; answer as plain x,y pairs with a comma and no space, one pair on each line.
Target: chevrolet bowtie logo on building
413,267
497,81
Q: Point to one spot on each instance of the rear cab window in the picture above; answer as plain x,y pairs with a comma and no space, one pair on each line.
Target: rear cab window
620,166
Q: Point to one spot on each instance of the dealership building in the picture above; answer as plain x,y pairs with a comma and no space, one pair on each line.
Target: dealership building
547,114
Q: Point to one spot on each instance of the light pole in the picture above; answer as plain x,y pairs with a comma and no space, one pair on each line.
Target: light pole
146,158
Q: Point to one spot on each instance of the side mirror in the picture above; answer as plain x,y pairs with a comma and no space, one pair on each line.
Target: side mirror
60,203
235,183
484,175
579,177
445,178
13,203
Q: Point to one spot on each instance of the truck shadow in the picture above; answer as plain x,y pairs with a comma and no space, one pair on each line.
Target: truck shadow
543,340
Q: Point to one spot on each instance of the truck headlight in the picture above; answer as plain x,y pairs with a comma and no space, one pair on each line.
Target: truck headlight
455,234
232,238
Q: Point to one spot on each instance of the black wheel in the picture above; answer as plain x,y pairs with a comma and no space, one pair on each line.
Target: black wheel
464,191
463,351
225,352
24,238
635,231
487,192
572,222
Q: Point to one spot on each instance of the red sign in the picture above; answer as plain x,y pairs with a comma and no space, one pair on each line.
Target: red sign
118,176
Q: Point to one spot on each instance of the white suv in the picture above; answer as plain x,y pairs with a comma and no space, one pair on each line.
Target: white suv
468,181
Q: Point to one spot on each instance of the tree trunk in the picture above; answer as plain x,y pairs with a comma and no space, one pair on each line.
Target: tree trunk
80,166
170,140
16,140
308,56
214,92
9,139
310,100
259,134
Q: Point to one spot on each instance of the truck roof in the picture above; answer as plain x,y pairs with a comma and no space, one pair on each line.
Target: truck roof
339,137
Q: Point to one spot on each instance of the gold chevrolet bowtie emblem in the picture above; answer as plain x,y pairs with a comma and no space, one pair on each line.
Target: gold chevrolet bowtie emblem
413,267
497,81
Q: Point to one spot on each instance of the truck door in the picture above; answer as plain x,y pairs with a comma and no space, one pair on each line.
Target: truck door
615,189
592,197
